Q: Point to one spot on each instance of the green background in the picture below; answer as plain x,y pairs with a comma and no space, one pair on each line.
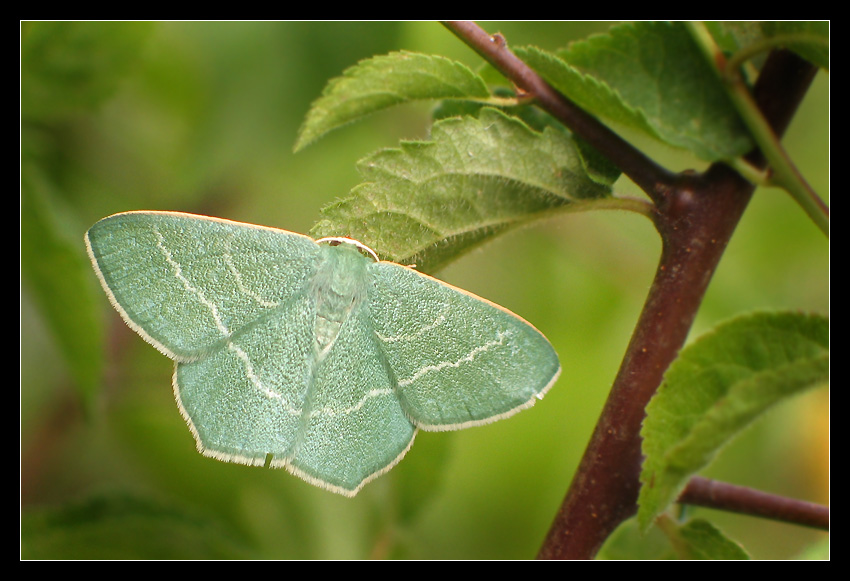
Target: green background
202,117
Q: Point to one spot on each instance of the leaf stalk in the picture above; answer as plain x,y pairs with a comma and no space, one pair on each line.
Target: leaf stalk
783,172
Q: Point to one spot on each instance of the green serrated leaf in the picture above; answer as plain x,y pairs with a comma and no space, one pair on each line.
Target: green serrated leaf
651,77
68,66
719,385
123,527
385,81
426,203
699,539
57,272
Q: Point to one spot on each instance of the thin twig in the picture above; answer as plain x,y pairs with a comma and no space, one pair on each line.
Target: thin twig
644,172
723,496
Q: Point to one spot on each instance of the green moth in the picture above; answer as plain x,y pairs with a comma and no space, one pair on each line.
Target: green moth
312,355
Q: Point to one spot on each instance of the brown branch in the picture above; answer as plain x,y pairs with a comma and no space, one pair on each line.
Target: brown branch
696,226
695,223
720,495
696,216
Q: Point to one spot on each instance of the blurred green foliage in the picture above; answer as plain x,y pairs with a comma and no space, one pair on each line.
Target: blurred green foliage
202,117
